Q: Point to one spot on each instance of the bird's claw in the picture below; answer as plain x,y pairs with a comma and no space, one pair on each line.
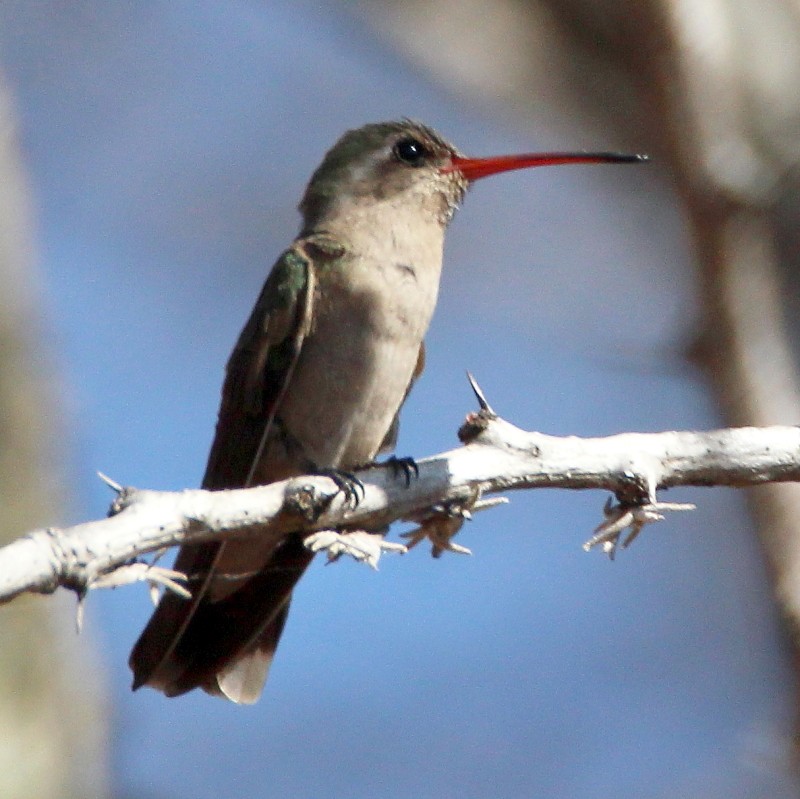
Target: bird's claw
407,467
360,545
609,534
348,484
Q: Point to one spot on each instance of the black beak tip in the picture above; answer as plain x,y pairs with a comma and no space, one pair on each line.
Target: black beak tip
624,158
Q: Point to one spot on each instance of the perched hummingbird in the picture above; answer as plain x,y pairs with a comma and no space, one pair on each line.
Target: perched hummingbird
315,383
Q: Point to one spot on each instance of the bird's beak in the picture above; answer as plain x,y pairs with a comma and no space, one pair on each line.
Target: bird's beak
476,168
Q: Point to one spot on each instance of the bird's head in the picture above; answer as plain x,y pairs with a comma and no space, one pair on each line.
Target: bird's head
408,162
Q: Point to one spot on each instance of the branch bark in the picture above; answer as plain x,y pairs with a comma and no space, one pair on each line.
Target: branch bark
497,457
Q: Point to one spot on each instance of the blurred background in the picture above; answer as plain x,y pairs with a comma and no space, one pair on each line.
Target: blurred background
152,155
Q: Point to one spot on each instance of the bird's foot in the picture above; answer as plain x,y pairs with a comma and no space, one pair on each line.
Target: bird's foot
360,545
407,467
348,484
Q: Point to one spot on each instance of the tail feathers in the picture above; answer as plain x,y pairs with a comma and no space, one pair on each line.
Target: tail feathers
243,679
226,647
152,657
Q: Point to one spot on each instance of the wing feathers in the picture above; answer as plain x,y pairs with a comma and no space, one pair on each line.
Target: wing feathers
256,376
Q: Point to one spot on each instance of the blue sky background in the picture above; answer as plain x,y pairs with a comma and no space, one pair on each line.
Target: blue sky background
167,145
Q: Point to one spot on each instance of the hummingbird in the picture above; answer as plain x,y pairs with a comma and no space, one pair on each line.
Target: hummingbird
315,384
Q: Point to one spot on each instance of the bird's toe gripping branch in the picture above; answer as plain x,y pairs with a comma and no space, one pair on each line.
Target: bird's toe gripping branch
404,467
351,488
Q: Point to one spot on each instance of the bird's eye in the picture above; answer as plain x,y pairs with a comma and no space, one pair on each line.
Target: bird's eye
411,152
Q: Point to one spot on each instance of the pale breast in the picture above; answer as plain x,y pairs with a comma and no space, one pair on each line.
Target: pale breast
370,317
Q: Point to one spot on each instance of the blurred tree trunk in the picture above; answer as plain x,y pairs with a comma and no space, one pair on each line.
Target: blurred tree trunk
712,87
719,79
52,723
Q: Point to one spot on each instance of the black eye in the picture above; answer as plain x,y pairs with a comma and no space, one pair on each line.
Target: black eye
411,152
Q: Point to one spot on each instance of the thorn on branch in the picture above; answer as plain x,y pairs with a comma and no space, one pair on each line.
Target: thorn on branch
628,516
484,405
123,494
443,522
112,484
360,545
143,572
121,501
476,423
130,573
79,608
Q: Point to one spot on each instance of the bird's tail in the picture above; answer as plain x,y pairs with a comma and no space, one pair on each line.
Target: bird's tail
221,640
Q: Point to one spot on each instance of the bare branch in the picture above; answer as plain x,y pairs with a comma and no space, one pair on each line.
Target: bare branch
496,457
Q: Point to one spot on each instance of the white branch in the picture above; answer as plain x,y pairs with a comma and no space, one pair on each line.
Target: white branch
497,457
